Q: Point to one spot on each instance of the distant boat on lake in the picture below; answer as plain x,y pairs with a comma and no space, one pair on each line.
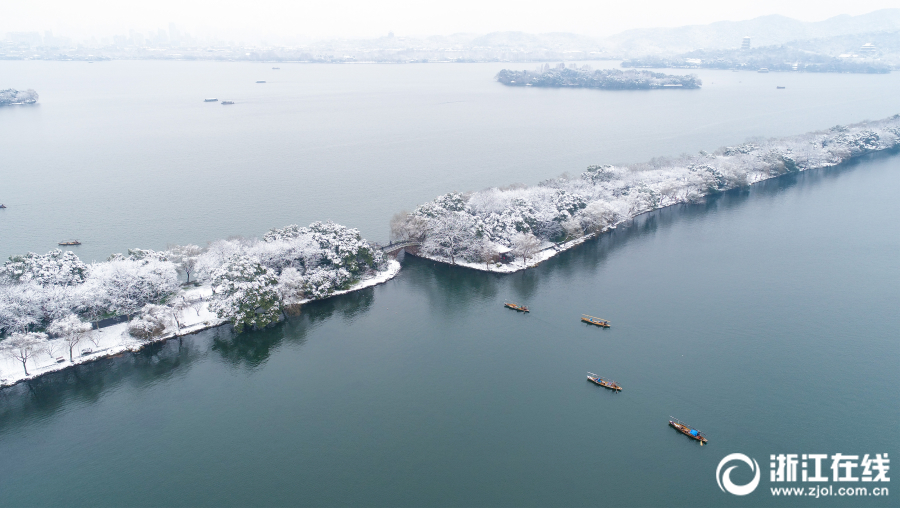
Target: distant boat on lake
225,103
515,306
687,430
605,383
261,81
276,68
70,242
211,99
591,320
763,70
2,205
780,87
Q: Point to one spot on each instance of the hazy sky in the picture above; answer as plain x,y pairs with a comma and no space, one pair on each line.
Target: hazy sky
363,18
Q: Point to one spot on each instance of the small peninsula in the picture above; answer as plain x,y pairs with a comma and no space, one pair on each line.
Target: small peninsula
606,79
514,228
12,97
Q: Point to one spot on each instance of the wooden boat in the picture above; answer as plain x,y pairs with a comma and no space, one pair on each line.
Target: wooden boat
515,306
603,323
70,242
605,383
687,430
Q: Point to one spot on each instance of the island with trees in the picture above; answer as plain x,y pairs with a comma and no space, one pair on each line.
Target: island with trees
12,97
606,79
486,230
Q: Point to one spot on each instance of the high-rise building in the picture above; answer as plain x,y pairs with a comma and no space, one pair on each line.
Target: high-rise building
745,44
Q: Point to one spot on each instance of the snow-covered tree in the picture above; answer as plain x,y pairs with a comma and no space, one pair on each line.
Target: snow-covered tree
186,258
450,235
62,268
123,286
151,323
23,346
71,329
525,245
245,293
19,307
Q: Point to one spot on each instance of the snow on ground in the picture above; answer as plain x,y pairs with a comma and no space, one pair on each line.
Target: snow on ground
115,339
392,270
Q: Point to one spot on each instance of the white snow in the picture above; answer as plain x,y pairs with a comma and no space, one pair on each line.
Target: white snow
465,229
113,340
393,268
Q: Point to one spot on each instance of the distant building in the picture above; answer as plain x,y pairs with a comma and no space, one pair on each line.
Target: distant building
867,49
745,44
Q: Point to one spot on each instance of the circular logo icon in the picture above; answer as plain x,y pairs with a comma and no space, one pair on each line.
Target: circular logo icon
724,479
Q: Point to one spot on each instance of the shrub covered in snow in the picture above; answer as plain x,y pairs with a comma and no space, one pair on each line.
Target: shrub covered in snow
461,226
151,323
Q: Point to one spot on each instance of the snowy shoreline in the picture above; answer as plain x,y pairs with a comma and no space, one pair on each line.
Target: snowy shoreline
115,340
548,251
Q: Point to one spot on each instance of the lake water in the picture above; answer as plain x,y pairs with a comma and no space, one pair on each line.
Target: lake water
126,154
767,318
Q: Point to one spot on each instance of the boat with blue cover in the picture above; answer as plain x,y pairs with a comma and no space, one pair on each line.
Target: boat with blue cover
605,383
591,320
687,430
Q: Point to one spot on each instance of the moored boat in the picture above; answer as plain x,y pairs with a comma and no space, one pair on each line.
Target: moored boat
605,383
70,242
515,306
603,323
687,430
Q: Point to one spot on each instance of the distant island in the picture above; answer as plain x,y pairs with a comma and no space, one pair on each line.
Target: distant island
586,77
11,96
783,58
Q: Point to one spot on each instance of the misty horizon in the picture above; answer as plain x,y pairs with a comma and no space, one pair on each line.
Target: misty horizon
270,24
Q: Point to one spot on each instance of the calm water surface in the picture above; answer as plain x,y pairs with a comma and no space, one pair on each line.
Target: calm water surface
768,318
126,154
